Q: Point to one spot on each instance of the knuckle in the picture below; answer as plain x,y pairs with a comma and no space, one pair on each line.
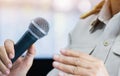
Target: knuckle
28,64
76,61
7,41
75,70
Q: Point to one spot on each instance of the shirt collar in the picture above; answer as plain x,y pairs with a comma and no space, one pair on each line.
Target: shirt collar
105,13
103,16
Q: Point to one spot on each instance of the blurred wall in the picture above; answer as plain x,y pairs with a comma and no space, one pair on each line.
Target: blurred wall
62,15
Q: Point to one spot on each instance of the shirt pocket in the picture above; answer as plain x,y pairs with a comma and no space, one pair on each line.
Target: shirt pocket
83,47
116,50
116,46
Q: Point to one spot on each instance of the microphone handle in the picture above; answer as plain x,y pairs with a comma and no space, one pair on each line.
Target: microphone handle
23,44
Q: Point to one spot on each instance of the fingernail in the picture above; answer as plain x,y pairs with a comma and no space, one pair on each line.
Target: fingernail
56,56
63,51
11,56
9,65
61,74
55,64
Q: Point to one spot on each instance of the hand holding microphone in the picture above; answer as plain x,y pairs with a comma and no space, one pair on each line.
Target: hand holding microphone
38,28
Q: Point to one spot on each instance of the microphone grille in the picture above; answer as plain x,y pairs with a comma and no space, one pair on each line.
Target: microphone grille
39,27
42,23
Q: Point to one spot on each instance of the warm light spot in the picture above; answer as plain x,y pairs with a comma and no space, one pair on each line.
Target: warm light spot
84,6
63,5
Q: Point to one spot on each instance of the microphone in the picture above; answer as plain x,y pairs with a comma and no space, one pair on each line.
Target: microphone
38,28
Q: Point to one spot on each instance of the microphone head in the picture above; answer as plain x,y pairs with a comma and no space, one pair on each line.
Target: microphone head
39,27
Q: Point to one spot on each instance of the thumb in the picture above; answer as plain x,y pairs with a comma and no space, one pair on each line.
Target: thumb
28,59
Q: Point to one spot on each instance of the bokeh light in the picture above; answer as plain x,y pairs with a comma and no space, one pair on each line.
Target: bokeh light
62,15
84,6
63,5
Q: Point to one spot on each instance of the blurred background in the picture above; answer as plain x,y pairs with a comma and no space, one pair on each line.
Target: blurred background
62,15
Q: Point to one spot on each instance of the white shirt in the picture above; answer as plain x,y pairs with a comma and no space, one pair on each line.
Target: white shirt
98,35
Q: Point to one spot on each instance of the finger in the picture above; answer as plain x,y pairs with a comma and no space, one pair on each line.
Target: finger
78,54
65,74
73,61
4,69
9,46
30,56
27,60
70,69
4,58
30,53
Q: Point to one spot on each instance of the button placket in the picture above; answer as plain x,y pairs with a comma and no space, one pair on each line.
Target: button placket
106,43
102,50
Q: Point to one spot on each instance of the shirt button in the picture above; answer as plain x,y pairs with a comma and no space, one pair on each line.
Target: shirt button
106,43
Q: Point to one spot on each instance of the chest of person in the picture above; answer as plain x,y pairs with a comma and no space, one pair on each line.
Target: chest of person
103,43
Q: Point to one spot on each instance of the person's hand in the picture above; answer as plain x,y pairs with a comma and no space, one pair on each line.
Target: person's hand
74,63
21,66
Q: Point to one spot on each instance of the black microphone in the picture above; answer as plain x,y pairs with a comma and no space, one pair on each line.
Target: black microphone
38,28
